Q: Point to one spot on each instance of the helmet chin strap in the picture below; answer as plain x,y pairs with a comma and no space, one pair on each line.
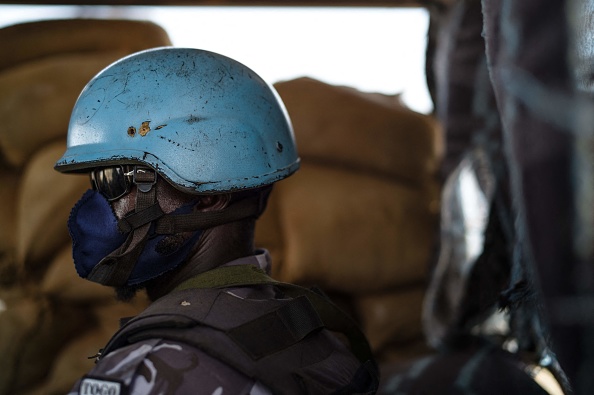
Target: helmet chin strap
115,268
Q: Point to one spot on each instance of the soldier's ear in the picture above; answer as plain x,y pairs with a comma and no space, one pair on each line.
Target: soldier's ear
213,202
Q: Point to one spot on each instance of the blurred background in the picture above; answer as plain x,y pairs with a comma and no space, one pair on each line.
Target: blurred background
376,49
443,212
354,83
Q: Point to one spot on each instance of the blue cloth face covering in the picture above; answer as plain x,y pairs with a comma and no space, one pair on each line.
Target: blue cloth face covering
93,228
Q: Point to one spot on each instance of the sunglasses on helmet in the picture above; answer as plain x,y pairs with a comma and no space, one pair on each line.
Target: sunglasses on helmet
116,181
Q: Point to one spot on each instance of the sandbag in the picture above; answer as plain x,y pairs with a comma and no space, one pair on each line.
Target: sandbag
72,361
9,181
38,97
34,40
31,331
363,131
108,314
61,282
45,200
391,317
16,321
350,232
70,364
9,184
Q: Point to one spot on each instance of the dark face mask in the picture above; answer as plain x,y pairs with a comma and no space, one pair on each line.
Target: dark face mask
93,228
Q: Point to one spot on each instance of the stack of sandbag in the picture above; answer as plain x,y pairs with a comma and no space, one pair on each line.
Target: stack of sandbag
50,320
359,219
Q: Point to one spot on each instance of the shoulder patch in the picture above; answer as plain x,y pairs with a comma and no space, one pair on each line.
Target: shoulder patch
98,386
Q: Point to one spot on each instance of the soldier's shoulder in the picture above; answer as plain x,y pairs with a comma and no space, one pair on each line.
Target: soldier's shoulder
163,366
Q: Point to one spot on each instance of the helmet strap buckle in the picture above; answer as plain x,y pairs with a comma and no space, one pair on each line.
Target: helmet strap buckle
144,178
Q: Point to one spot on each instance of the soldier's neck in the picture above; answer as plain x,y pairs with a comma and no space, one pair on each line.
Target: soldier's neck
216,247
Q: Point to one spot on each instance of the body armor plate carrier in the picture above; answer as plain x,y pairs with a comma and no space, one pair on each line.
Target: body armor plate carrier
284,343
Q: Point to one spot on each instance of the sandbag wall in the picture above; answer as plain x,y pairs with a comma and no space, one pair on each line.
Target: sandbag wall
359,219
50,320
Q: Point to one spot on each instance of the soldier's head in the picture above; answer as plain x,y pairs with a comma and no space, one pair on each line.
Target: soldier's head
176,141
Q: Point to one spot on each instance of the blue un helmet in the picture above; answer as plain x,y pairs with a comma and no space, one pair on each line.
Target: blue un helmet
200,120
203,121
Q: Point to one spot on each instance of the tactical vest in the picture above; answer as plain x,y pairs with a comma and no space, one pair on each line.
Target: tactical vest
286,343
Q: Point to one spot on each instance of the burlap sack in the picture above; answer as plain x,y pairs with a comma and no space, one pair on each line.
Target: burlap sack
31,332
70,364
14,323
38,97
61,282
72,360
108,315
9,183
45,200
33,40
340,125
391,317
349,232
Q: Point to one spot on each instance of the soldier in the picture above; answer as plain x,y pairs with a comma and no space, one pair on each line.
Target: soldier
182,147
